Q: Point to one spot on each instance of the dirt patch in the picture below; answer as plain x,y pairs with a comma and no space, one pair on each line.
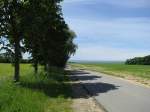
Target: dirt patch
82,102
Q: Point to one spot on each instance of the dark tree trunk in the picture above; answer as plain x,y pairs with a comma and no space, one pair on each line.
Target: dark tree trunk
16,39
35,60
17,60
36,67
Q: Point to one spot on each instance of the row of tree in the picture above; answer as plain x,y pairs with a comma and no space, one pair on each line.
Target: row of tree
36,27
139,61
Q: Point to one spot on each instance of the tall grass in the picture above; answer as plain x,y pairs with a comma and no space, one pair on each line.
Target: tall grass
40,93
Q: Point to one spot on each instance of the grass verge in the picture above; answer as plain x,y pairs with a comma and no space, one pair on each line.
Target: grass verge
139,73
43,93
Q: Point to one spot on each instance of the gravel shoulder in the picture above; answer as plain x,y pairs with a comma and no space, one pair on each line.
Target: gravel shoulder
82,101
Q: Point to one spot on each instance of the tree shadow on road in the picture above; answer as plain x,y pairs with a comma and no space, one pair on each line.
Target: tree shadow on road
89,83
82,76
58,86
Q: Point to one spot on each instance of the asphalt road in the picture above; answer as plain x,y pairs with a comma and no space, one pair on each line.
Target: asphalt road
115,94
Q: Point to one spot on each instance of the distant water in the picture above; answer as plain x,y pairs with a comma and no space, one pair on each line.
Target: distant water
95,62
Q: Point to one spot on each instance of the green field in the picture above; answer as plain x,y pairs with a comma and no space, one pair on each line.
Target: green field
43,93
140,72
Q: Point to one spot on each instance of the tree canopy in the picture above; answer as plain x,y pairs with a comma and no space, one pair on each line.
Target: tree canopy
36,27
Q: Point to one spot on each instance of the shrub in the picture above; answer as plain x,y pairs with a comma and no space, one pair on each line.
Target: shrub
139,61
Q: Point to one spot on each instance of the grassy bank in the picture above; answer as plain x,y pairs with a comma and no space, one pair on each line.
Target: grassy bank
43,93
140,73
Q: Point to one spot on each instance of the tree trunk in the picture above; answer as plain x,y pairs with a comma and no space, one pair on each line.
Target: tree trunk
16,39
17,60
36,67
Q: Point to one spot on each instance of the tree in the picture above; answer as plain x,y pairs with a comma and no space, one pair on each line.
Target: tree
39,16
39,26
10,28
48,37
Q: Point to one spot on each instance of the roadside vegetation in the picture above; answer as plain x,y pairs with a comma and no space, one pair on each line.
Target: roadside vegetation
140,73
43,93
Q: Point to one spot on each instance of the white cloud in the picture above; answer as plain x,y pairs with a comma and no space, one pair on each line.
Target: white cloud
120,3
130,36
26,55
129,3
125,28
106,53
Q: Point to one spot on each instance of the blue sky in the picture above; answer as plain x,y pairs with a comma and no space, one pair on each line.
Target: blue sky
109,29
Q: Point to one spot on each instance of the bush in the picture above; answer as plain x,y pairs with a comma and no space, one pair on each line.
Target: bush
139,61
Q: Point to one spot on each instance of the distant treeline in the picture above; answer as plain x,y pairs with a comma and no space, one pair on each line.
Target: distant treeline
5,58
139,61
2,60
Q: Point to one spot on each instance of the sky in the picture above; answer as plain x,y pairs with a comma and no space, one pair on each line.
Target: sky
109,29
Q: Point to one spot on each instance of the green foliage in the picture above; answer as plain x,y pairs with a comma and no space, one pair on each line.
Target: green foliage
139,61
37,27
48,37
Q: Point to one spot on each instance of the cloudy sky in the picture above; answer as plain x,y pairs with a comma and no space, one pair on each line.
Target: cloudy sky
109,29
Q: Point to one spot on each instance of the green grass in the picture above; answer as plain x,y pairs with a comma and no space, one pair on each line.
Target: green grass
7,69
43,93
118,69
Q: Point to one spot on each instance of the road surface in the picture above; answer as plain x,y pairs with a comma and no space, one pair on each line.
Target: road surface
115,94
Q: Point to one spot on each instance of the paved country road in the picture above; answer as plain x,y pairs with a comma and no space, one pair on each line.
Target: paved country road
114,94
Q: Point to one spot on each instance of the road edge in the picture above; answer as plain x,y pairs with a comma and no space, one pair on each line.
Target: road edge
94,99
103,109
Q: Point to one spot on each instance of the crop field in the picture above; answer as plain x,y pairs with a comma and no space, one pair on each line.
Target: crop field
140,72
40,93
